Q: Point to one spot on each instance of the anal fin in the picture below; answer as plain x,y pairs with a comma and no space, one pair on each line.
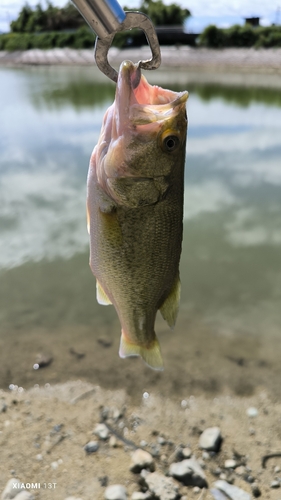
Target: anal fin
170,306
151,355
102,298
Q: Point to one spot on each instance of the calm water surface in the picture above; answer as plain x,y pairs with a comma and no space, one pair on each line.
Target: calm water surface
227,338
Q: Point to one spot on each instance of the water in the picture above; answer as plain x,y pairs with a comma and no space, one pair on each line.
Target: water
227,337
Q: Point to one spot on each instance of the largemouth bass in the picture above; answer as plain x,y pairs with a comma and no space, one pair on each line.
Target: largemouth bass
135,209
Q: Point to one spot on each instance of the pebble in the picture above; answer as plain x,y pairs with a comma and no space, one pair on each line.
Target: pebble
113,442
139,495
256,490
189,472
161,440
115,492
141,459
232,492
275,484
210,439
72,498
240,470
101,431
230,464
277,469
3,406
161,486
24,495
186,452
91,447
9,491
252,412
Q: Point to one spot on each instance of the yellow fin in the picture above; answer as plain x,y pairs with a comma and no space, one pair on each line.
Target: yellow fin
102,298
170,307
151,355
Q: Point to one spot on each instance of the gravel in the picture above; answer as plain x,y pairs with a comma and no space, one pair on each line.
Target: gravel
211,439
115,492
232,492
141,459
91,447
189,472
161,486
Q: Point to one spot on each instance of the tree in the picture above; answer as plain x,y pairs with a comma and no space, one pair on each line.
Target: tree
161,14
51,19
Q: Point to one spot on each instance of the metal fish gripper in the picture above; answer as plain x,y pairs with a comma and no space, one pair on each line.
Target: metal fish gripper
106,18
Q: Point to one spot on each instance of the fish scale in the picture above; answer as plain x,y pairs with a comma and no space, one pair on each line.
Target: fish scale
135,211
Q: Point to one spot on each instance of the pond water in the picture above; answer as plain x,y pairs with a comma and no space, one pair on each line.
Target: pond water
227,337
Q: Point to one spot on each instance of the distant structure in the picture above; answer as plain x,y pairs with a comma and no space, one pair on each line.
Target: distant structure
253,21
175,35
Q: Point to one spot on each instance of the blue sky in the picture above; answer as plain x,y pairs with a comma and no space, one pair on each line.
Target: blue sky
221,12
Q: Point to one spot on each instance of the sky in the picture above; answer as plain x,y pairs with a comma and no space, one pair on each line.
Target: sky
223,13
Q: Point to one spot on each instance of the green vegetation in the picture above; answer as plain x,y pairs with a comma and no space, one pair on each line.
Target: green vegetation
38,20
161,14
80,39
241,36
65,27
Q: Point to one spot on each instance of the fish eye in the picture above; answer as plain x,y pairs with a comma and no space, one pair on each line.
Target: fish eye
170,142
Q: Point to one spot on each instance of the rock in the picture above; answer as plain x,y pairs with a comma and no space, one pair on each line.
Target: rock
161,486
161,440
256,492
218,495
275,484
252,412
3,406
139,495
230,464
24,495
101,431
115,492
12,488
72,498
141,459
103,480
188,472
91,447
210,439
240,470
277,469
232,492
186,453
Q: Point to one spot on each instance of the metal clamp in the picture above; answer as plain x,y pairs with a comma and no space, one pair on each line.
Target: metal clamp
132,20
106,18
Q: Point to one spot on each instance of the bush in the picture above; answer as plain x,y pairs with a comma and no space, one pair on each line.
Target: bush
212,37
241,36
80,39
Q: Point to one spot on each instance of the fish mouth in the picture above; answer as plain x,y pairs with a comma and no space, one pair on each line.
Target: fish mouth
139,103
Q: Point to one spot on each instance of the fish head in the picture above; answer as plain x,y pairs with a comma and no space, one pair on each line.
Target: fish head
142,141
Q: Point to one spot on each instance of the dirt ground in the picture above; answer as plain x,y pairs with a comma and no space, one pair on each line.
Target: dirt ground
43,432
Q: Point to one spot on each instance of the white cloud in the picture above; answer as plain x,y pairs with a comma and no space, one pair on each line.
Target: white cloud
247,229
42,215
209,196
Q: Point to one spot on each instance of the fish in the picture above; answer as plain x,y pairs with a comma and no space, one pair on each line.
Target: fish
135,190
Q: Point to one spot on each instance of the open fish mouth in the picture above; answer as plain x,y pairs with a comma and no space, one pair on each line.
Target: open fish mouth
139,103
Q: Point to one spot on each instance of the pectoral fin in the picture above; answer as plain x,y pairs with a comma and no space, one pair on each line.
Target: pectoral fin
151,355
102,298
170,307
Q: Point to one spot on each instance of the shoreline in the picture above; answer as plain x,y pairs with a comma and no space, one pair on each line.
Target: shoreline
240,67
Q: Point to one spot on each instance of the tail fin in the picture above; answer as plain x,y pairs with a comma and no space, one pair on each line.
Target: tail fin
151,355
